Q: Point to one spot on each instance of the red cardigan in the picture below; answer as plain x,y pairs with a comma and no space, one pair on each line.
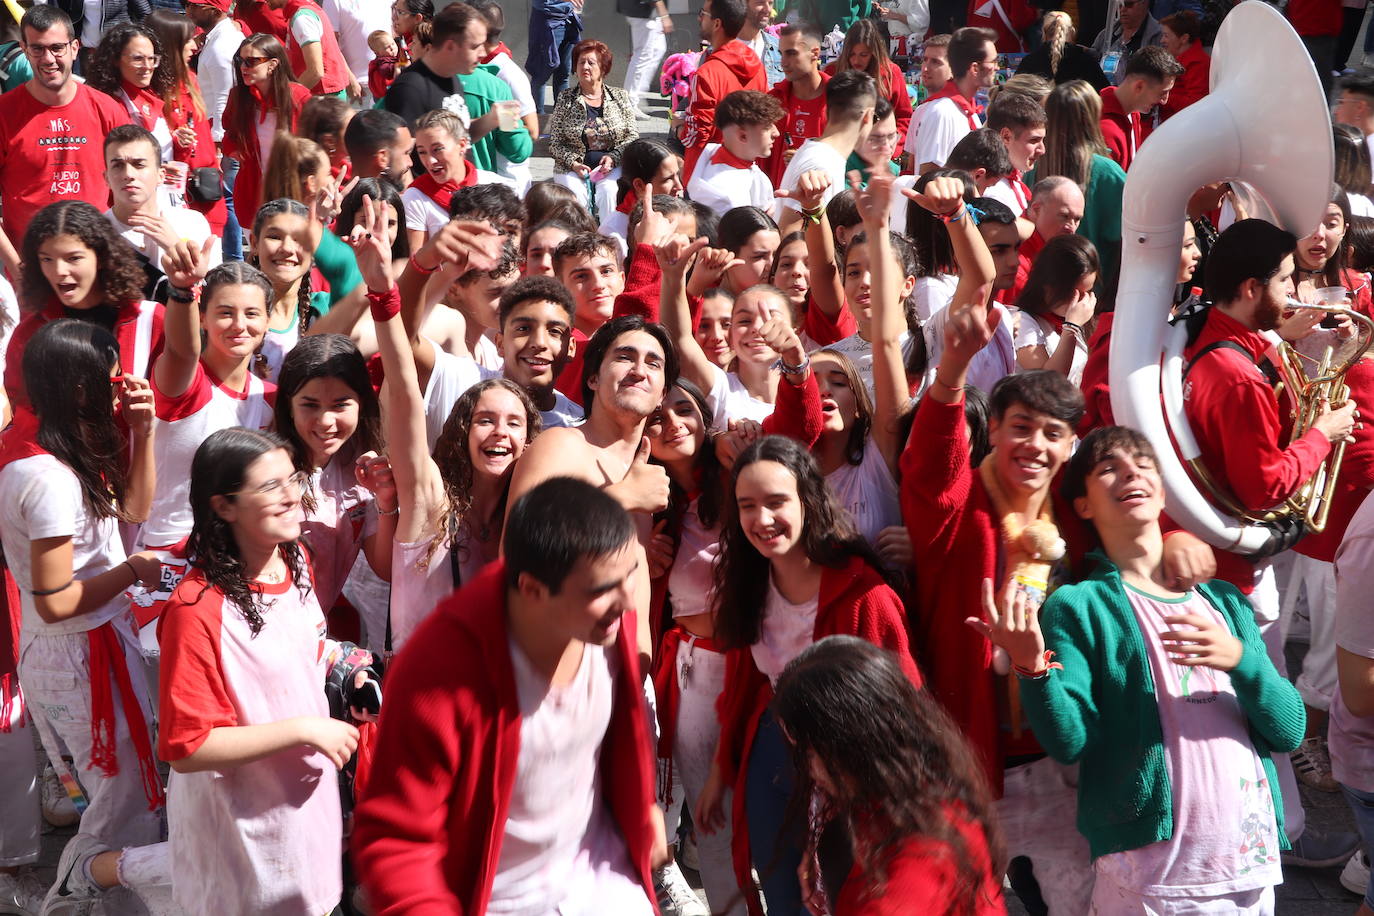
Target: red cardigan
1097,394
248,185
432,818
853,601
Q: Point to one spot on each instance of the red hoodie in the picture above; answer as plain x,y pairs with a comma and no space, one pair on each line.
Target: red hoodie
728,68
432,817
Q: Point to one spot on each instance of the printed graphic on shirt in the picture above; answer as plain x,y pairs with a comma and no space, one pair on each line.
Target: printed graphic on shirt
1257,849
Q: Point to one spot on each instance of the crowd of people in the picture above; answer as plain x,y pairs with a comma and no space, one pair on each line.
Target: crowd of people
747,498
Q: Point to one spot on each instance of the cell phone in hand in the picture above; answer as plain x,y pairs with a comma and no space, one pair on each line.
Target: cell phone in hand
368,697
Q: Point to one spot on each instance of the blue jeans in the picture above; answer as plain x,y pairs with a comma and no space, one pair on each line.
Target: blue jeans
566,33
232,242
775,845
1362,806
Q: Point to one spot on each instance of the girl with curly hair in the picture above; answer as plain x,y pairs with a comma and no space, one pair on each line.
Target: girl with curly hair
326,409
887,763
452,506
792,569
255,825
288,239
77,266
265,101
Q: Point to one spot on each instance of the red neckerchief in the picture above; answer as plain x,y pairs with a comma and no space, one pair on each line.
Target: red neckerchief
500,49
147,105
107,658
723,156
628,204
951,92
441,194
1055,321
264,105
1018,187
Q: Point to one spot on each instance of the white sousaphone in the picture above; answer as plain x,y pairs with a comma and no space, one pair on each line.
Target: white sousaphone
1265,126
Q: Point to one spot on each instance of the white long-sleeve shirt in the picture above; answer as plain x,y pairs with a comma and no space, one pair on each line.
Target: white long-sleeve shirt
216,71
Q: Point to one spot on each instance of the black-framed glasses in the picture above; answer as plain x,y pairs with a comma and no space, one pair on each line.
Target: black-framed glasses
38,52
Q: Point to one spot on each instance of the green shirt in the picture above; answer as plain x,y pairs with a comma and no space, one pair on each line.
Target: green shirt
1101,223
339,267
481,88
1100,710
857,163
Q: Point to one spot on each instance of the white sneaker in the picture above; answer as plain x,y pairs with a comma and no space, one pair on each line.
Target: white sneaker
675,895
58,809
21,893
72,892
1355,875
641,115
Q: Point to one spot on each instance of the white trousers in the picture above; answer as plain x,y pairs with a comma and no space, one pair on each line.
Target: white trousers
20,825
1316,579
1038,810
1264,600
701,676
648,46
1111,900
605,189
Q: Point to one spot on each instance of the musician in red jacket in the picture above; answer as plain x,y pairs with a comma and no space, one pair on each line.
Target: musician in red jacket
728,66
513,761
1235,417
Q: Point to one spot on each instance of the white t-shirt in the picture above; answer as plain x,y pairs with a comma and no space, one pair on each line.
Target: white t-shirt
454,375
561,853
868,491
992,363
306,27
730,400
941,125
181,425
417,587
691,582
514,76
860,353
216,71
1008,193
422,212
40,498
785,631
9,317
933,294
812,155
189,226
722,186
353,21
616,225
1034,330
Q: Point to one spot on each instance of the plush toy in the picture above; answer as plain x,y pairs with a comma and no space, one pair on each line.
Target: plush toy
676,78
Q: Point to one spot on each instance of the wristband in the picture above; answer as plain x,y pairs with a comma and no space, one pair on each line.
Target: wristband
1048,662
395,511
181,295
1075,327
946,385
384,306
793,370
44,592
813,217
420,268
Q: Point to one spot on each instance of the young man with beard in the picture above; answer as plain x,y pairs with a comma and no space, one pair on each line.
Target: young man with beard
801,92
942,120
379,145
730,65
1235,418
51,129
1164,694
515,763
850,99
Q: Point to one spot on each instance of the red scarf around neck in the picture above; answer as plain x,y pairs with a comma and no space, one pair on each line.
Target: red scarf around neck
628,204
147,104
500,49
951,92
107,660
441,194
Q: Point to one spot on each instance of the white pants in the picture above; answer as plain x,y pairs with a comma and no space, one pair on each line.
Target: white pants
1317,579
698,732
1111,900
1038,810
55,672
19,826
648,46
1264,600
605,189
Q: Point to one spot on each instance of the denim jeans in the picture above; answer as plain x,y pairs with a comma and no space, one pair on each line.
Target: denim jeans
565,34
775,845
1362,806
233,233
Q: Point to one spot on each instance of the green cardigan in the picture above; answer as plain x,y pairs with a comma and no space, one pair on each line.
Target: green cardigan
1101,710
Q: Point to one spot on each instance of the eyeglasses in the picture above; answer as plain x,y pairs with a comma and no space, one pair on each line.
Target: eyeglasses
297,482
248,63
881,140
38,52
143,60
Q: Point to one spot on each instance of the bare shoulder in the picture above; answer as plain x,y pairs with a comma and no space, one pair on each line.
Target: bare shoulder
560,452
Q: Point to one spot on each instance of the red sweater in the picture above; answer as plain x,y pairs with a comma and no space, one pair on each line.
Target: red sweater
921,869
853,601
896,94
1121,132
1192,85
432,818
1234,416
1097,396
724,70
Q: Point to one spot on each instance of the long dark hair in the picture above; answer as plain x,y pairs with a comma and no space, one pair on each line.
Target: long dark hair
640,159
742,575
865,32
75,408
739,224
244,127
454,459
1335,262
381,191
859,430
710,475
239,273
103,70
326,356
218,469
1059,268
120,277
176,30
901,767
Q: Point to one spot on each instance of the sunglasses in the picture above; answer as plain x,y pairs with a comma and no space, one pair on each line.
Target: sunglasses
248,63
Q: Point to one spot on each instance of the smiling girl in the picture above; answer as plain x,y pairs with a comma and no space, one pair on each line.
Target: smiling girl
792,570
77,266
442,145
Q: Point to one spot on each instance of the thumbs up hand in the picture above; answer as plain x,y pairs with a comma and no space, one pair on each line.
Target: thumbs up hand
645,486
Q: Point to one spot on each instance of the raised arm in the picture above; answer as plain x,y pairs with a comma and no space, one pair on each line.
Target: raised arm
185,265
889,371
976,272
674,255
827,286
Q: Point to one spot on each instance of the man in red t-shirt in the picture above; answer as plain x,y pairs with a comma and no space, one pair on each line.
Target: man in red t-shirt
52,129
802,94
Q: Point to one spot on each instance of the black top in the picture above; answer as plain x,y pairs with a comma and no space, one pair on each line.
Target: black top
1077,63
418,90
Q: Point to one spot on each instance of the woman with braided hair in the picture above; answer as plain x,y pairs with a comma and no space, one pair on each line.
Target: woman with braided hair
1061,59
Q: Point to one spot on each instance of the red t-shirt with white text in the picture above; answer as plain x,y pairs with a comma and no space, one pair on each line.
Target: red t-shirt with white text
52,153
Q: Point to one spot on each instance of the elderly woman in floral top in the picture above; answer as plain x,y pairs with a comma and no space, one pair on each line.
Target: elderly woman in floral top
592,123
